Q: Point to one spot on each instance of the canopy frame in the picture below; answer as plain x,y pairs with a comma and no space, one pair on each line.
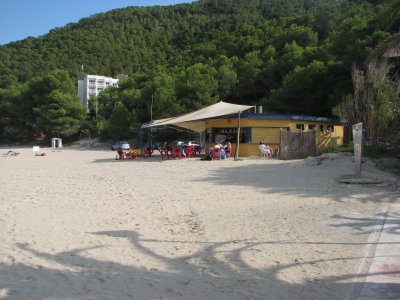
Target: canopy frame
196,121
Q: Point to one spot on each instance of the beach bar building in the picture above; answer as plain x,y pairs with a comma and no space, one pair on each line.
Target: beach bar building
289,136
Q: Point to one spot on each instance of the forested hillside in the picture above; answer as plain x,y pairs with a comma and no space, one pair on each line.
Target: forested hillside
290,56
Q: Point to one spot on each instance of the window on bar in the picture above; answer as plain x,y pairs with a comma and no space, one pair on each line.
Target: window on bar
227,135
300,126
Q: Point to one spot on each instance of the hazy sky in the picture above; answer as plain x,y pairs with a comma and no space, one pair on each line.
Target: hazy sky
20,19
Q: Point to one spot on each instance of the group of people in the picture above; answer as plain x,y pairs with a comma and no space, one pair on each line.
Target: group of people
266,151
224,151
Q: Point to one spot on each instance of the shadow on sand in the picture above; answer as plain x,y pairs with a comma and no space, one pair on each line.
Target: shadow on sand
213,271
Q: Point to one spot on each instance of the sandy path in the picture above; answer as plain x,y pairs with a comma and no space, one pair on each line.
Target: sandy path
78,224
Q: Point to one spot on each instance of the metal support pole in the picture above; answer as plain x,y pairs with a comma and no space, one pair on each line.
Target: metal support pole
151,120
238,138
141,138
357,140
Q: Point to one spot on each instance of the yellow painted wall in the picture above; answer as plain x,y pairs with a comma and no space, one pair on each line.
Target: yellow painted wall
268,130
268,135
327,139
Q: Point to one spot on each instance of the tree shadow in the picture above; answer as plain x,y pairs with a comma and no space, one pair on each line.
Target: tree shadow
154,159
366,225
290,179
214,270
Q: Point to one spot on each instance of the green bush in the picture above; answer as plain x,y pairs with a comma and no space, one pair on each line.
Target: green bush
379,152
339,148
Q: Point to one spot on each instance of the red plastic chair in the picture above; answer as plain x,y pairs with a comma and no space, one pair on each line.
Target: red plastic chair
197,150
165,153
176,152
131,155
189,150
215,154
121,155
148,152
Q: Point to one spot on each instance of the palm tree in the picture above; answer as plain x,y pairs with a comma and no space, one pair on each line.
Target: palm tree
375,100
389,47
387,19
390,16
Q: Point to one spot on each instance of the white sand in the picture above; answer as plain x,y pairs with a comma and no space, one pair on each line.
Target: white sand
78,224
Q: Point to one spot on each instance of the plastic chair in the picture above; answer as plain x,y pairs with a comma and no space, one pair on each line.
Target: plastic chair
215,154
131,154
265,152
121,155
189,150
165,153
148,152
197,150
176,152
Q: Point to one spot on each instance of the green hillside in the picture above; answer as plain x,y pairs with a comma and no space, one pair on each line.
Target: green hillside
290,56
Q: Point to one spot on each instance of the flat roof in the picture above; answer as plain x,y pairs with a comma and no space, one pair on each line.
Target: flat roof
284,117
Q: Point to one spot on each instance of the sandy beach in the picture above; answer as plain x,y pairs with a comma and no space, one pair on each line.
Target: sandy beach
78,224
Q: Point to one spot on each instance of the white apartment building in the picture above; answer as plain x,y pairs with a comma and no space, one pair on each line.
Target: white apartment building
92,85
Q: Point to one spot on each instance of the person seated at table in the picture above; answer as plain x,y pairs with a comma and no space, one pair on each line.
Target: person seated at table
211,149
228,149
265,150
222,153
183,151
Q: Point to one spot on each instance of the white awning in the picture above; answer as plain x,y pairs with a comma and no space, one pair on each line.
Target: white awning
196,120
